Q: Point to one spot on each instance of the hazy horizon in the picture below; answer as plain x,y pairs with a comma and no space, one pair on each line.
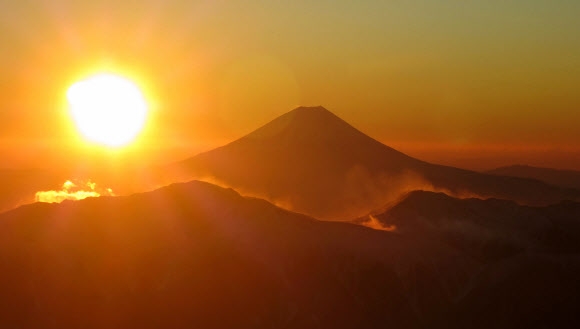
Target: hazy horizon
268,164
482,158
474,85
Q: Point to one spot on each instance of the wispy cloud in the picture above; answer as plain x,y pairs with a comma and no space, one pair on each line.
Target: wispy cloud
374,223
72,191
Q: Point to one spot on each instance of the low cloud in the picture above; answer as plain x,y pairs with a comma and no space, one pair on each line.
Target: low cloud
72,191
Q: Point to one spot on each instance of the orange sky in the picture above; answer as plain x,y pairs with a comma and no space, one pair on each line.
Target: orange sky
477,84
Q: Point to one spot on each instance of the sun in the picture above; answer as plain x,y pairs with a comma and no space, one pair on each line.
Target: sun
107,109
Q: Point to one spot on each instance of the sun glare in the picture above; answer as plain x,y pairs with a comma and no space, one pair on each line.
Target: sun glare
107,109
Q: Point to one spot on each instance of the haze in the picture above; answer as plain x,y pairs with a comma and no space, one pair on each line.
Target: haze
297,165
474,84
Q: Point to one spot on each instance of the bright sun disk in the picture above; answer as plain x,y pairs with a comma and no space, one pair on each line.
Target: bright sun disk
107,109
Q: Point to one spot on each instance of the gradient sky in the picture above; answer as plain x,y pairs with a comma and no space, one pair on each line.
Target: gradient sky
476,83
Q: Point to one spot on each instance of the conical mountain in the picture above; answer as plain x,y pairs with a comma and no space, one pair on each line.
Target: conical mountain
311,161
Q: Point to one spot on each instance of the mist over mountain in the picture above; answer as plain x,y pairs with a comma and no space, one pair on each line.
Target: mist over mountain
196,255
487,229
557,177
313,162
441,253
307,160
19,187
530,256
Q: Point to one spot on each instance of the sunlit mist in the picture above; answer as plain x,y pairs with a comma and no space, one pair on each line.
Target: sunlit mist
374,223
107,109
72,191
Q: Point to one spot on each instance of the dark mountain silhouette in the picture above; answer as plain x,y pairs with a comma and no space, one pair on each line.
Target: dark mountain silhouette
526,291
557,177
531,256
486,228
311,161
199,256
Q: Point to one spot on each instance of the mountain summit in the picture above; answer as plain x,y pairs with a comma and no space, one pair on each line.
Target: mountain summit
307,125
311,161
316,136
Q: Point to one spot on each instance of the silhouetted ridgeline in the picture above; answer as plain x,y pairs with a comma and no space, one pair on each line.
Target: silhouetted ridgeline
487,229
564,178
198,256
308,161
311,161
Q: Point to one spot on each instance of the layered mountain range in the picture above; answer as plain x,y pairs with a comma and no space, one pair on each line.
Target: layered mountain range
311,161
565,178
197,255
419,246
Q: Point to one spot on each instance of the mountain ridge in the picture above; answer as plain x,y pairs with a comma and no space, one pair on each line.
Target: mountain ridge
197,255
311,161
495,223
557,177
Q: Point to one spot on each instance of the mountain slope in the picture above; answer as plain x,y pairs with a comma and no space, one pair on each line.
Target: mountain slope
564,178
531,256
196,255
312,162
486,228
